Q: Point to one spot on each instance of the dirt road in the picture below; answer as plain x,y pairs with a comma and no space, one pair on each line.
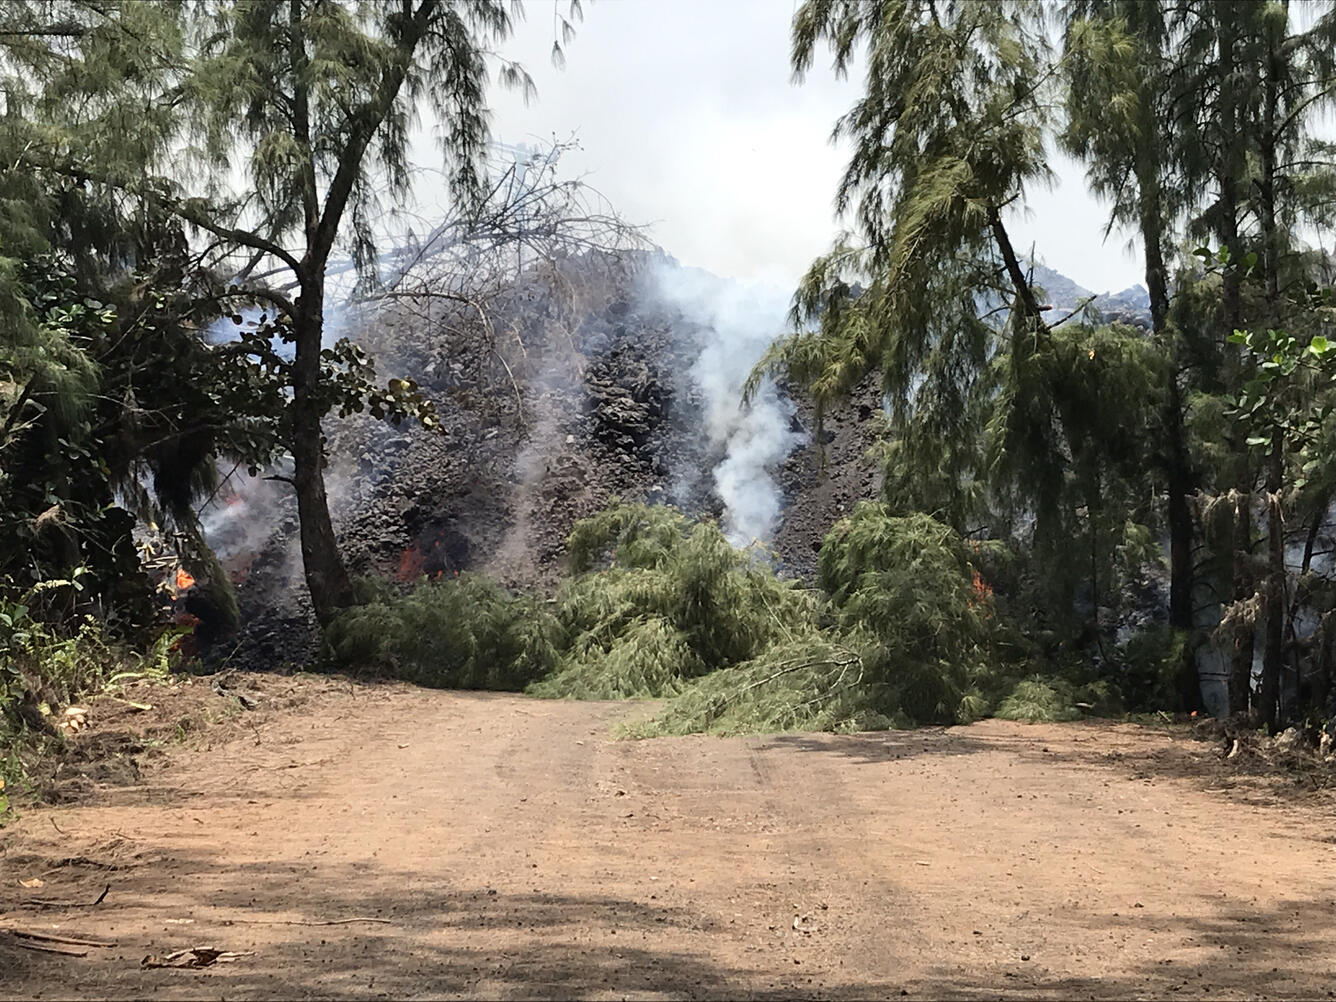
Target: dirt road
511,848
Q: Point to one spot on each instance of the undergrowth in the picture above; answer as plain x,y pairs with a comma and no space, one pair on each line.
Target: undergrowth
1054,700
901,630
45,670
464,633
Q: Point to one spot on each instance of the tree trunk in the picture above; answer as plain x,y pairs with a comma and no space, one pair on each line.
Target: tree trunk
1240,669
1230,167
1229,170
1013,266
1178,470
326,577
1273,655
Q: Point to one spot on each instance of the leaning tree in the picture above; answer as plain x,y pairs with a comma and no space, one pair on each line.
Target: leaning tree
279,130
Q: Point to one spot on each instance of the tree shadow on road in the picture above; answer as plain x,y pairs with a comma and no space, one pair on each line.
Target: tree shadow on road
1130,750
1238,952
428,940
449,942
890,746
459,937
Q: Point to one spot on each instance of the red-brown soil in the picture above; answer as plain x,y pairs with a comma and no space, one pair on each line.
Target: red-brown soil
512,848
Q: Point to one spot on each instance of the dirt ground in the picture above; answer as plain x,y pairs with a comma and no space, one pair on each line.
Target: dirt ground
511,848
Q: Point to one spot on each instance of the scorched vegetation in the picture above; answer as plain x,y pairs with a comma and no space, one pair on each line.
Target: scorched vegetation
900,629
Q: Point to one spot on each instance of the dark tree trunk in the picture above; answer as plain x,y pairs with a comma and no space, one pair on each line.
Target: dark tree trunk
1273,655
1229,171
1013,266
1178,470
1230,163
326,576
1241,664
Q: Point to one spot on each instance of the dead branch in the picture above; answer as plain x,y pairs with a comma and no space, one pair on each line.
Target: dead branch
347,921
841,663
47,937
65,951
55,903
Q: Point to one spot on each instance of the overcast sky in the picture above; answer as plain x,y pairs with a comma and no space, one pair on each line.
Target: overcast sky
688,121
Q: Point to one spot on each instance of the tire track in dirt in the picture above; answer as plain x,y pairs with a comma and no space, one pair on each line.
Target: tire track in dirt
511,848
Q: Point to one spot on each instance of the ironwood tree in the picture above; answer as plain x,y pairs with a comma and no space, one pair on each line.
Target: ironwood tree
316,101
280,130
1079,441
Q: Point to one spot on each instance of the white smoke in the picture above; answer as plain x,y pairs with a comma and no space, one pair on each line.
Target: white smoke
240,517
742,318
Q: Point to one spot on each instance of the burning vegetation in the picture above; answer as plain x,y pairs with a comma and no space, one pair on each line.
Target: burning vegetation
594,380
900,630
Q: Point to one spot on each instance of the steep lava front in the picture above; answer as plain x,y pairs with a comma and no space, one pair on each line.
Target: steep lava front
569,401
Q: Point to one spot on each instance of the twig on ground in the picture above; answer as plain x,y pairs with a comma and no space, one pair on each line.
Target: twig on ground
54,903
65,951
347,921
48,937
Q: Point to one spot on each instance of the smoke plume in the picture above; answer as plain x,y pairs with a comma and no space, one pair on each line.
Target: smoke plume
740,319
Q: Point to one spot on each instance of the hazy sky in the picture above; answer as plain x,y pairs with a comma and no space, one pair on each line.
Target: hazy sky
688,121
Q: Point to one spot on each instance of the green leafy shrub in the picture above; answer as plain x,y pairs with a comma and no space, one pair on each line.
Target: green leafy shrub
41,664
463,633
905,630
810,683
647,658
658,599
909,631
910,583
1040,700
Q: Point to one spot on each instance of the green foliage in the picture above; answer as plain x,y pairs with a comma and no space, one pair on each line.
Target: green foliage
136,436
809,683
673,599
462,633
910,585
292,121
1059,698
62,665
630,535
315,101
903,633
948,131
1039,700
1289,401
45,668
1150,662
646,658
662,607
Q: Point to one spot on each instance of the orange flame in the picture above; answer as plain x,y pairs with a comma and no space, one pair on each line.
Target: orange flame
184,581
411,564
981,587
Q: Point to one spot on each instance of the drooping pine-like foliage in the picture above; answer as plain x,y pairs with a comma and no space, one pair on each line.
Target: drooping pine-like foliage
463,633
658,599
1095,450
946,135
903,630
